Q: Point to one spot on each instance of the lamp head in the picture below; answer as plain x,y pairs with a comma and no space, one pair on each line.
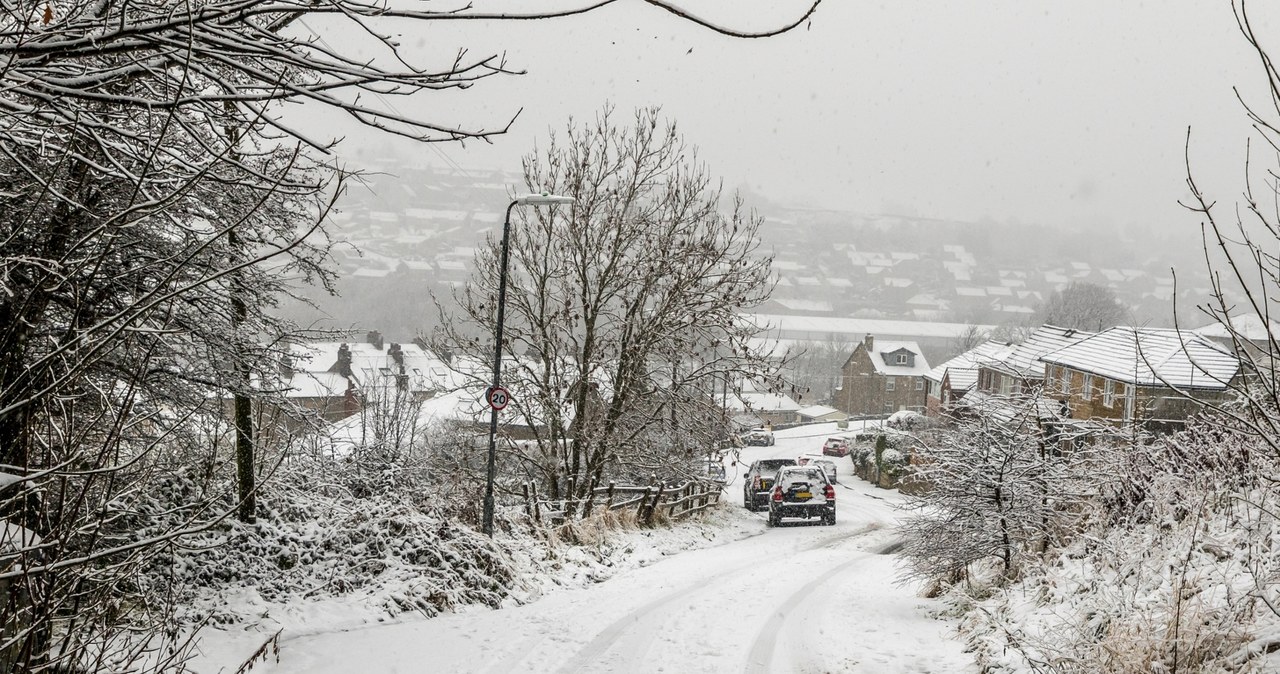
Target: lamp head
543,199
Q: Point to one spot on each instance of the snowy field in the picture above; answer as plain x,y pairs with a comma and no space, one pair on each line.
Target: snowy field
727,594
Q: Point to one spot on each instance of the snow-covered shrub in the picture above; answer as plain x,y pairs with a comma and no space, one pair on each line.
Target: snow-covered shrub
864,459
315,537
996,491
1178,573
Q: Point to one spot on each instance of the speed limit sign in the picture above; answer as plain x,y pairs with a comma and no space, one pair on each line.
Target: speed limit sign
498,397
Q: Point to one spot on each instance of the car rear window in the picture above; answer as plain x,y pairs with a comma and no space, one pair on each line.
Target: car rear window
772,465
814,476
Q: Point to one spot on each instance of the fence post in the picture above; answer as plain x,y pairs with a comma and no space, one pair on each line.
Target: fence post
570,506
528,505
608,504
644,503
537,507
656,500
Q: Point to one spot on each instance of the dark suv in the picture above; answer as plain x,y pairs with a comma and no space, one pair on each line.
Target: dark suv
803,491
759,480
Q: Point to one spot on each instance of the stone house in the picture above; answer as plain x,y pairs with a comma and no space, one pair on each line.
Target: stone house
881,377
1153,376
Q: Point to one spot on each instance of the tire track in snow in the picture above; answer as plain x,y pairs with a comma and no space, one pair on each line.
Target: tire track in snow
632,634
639,627
760,658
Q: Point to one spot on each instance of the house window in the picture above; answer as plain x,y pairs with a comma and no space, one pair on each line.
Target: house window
1128,393
1086,389
385,371
920,383
1108,393
888,408
889,383
902,359
1065,382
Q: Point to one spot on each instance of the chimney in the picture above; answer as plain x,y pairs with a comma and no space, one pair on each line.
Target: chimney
869,342
397,355
375,338
343,366
286,367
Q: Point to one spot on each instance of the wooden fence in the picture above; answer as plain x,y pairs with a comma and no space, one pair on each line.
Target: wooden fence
673,502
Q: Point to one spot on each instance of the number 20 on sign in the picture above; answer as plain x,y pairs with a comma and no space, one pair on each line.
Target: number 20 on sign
498,397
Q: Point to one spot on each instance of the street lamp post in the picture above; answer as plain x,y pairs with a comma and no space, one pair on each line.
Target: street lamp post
543,199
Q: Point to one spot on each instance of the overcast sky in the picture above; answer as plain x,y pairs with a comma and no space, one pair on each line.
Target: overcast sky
1054,112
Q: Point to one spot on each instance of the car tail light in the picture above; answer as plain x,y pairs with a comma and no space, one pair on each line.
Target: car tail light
777,493
755,483
829,493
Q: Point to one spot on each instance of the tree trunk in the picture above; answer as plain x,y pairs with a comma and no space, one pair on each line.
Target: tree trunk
245,474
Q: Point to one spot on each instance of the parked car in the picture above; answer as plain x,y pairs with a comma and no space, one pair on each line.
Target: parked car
829,467
836,446
759,480
802,492
759,437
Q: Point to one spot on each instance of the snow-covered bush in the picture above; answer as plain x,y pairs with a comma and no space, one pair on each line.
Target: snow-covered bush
1181,575
997,489
894,464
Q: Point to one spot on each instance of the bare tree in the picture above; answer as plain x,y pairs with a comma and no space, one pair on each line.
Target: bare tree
623,330
1000,486
815,367
1083,306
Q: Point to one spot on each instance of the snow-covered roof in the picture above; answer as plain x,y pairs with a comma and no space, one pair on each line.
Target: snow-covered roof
759,401
818,306
1151,357
316,385
1023,359
369,365
1015,309
882,358
814,411
1248,326
964,367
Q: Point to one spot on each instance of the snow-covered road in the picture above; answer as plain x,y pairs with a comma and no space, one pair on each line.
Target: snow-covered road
790,599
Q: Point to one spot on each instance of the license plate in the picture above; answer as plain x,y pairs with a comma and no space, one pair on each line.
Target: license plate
803,494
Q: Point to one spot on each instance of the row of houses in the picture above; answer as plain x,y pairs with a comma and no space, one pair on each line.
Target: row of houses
1155,377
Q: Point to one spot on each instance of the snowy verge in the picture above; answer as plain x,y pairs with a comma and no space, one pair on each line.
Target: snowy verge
375,565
